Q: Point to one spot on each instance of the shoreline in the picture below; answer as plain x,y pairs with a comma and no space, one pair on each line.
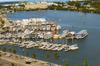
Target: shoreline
22,60
69,6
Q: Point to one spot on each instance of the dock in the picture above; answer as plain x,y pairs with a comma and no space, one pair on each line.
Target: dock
48,46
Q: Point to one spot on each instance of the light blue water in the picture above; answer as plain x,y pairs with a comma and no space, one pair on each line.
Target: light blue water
88,47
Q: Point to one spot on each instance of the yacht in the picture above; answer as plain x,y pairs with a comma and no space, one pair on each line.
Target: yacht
73,47
81,34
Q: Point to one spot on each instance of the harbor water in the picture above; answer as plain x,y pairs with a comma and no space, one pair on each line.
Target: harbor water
74,21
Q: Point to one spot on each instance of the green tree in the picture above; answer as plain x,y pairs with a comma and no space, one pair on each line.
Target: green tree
77,4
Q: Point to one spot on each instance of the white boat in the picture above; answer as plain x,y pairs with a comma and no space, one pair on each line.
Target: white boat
81,34
73,47
29,46
23,45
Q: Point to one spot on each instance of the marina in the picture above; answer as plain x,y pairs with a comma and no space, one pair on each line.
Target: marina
87,46
25,33
49,33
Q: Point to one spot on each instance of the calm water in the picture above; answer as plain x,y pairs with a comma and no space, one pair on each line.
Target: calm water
89,47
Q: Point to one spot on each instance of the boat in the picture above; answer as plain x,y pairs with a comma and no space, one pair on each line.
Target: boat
73,47
81,34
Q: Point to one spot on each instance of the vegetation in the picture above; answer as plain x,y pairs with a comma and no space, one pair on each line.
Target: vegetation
83,6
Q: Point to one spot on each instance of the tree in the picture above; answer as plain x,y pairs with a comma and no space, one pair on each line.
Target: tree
77,4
